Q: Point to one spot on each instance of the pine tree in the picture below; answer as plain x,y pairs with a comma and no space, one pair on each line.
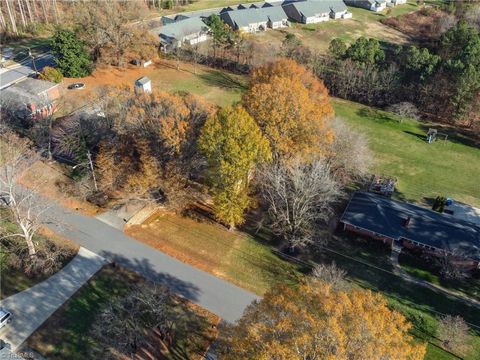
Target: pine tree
72,58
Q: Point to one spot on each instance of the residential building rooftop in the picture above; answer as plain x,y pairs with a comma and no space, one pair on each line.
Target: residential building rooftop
401,220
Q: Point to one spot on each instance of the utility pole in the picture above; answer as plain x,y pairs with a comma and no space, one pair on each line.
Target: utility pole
33,60
89,156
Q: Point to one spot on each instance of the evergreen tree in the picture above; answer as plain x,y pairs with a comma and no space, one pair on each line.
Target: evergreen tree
71,56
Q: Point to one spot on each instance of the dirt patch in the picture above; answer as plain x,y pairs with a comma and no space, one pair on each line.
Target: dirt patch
49,180
423,25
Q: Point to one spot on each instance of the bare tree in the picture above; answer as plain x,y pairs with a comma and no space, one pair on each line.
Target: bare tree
350,157
24,209
298,195
404,109
454,333
472,16
450,265
123,324
331,274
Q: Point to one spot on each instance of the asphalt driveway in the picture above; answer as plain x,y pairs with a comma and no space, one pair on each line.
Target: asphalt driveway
216,295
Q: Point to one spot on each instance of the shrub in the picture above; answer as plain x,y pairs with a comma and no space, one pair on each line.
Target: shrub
51,74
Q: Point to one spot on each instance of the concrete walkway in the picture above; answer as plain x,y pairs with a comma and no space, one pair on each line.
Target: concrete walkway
30,308
398,270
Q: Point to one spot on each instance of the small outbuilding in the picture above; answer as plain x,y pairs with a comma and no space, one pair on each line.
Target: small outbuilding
143,85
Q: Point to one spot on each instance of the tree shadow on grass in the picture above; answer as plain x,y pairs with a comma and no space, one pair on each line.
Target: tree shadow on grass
377,115
144,267
417,135
222,79
454,135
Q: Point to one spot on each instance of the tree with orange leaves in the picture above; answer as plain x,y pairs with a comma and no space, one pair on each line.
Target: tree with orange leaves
292,108
313,321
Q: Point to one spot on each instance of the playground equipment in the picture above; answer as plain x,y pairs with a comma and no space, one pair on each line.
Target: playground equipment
382,185
432,135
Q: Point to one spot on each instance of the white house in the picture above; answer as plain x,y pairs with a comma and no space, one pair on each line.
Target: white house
246,20
338,10
373,5
143,85
277,18
308,12
173,35
396,2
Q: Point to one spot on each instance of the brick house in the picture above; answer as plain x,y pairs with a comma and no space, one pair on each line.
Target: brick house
30,99
413,227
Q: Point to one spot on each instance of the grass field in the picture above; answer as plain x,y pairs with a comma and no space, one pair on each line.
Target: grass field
424,171
430,271
216,86
66,334
251,264
233,256
364,23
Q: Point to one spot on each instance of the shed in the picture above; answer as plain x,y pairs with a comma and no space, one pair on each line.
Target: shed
144,84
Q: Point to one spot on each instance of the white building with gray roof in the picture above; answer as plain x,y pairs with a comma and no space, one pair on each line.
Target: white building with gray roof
246,20
256,19
175,34
373,5
315,11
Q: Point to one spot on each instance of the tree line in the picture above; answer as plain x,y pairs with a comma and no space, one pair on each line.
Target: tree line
443,80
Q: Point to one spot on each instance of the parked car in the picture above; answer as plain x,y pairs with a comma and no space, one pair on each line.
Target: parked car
76,86
5,317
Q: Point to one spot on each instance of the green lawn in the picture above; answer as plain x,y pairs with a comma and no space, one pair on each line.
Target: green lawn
423,170
430,271
368,265
217,86
234,256
66,334
363,23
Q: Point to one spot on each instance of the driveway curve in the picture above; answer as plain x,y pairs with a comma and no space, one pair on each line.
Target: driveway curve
31,307
216,295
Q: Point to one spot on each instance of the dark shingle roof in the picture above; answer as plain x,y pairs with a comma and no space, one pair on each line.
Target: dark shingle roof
26,92
387,217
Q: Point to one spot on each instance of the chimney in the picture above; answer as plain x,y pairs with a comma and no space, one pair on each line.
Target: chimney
406,222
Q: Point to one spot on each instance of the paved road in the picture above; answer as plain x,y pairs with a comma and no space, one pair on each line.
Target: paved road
30,308
218,296
14,74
